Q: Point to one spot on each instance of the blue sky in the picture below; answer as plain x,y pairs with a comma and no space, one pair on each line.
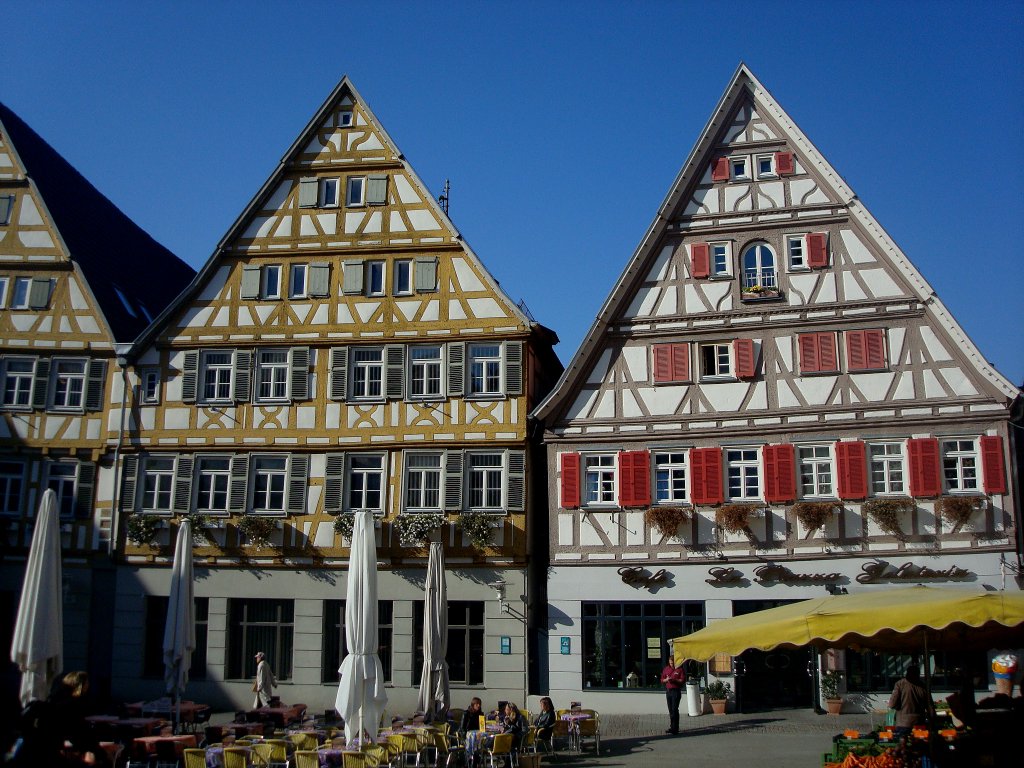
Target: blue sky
560,124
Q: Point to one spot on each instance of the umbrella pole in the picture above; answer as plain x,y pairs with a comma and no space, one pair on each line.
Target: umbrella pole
929,712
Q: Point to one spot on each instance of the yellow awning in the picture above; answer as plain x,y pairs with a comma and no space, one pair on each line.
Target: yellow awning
883,619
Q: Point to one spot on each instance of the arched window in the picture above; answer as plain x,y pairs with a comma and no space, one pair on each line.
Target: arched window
759,267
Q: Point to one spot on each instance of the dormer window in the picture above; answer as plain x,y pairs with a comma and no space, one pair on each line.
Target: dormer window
765,166
739,169
345,119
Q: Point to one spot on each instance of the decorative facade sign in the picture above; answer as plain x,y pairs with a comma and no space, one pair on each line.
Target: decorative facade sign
880,570
635,576
773,572
724,575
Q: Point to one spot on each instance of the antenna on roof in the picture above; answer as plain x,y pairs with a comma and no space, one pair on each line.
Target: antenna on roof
443,197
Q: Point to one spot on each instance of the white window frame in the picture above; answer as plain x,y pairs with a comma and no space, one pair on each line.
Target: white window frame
346,119
771,173
223,378
357,478
720,259
760,275
274,375
361,373
22,287
402,278
424,371
66,487
744,174
600,479
164,484
149,385
62,384
376,277
671,466
816,469
743,465
887,468
12,485
422,473
270,281
268,478
4,283
797,262
485,479
355,191
218,476
961,465
486,376
330,192
298,273
728,374
23,386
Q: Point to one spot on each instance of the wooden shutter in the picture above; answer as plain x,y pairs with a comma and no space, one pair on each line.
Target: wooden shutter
513,367
828,360
238,487
784,163
425,274
852,470
779,473
743,350
662,363
865,350
453,461
394,371
634,479
339,373
457,369
85,489
720,169
308,192
250,288
808,345
241,381
95,381
925,477
993,470
376,190
129,482
183,485
41,383
189,377
516,493
706,476
569,464
352,277
39,293
817,352
319,279
817,250
671,362
700,260
298,380
298,479
334,483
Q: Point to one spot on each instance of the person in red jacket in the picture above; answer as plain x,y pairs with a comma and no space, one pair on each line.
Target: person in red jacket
674,679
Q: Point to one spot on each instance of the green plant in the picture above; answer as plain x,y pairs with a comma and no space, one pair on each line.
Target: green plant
830,681
414,529
200,525
666,519
956,510
477,527
718,690
257,529
735,517
813,514
886,513
142,529
344,525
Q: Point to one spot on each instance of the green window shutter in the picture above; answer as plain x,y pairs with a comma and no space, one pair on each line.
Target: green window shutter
39,293
426,274
513,367
339,373
298,479
41,383
298,383
456,369
352,277
453,480
96,379
318,279
334,483
376,190
85,489
190,377
308,192
129,482
516,490
238,488
242,376
250,283
394,371
183,485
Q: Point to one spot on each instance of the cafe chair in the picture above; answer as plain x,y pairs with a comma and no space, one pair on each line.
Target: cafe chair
304,741
451,753
529,740
236,757
406,744
200,720
560,730
195,758
502,747
590,729
166,754
305,758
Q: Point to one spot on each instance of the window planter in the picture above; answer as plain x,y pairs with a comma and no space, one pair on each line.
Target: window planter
414,530
885,512
477,527
257,529
957,510
143,529
814,514
666,519
344,524
200,526
762,294
735,518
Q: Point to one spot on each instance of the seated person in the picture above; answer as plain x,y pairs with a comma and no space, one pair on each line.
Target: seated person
471,717
545,721
513,722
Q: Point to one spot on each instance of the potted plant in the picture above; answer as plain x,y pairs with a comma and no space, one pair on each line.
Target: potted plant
956,510
477,528
886,513
344,525
414,529
257,529
666,519
813,514
735,518
200,526
830,681
142,529
717,692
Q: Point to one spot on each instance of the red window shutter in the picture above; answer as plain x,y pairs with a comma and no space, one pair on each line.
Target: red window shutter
852,471
700,260
641,477
680,362
626,479
662,363
817,250
992,467
784,163
856,352
808,344
570,480
925,479
720,169
743,349
874,345
779,473
706,476
827,358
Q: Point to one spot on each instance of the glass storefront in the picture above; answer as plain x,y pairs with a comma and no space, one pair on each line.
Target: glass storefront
870,672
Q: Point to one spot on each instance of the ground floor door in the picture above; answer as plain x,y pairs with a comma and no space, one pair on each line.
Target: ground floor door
776,679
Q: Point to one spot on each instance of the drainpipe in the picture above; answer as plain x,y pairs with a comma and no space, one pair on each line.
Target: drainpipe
115,517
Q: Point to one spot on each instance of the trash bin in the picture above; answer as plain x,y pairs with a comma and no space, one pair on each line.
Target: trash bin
693,699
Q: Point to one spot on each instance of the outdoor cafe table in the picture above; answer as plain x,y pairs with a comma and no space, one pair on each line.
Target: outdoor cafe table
477,740
145,725
187,741
167,709
280,716
573,718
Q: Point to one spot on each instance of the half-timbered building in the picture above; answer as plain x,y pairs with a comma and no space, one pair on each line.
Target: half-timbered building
343,349
771,403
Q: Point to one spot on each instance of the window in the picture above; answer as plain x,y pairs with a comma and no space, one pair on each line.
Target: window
815,470
425,372
375,278
151,386
960,465
423,482
715,361
765,166
213,475
272,375
153,641
465,655
874,672
3,291
356,191
12,484
335,642
670,477
260,625
60,478
721,263
22,288
625,645
365,483
485,369
486,481
887,468
269,478
739,168
796,252
345,119
157,484
216,376
6,206
367,373
67,383
329,193
271,288
17,379
297,281
743,472
599,479
402,278
759,268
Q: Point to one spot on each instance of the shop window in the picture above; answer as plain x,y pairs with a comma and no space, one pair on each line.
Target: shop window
335,647
12,485
259,625
153,638
465,642
872,672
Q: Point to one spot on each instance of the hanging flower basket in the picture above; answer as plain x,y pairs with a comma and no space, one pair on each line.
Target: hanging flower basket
257,529
886,513
813,514
200,526
414,529
344,524
735,518
143,529
956,510
476,526
666,519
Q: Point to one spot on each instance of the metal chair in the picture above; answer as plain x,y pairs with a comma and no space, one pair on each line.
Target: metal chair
502,747
236,757
445,748
529,740
166,754
590,729
195,758
561,730
305,758
305,741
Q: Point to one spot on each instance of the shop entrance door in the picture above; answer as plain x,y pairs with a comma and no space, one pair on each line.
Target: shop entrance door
771,679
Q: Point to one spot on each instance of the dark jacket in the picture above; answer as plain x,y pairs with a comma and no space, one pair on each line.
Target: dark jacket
470,721
46,725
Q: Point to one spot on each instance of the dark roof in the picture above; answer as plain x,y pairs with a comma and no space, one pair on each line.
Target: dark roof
112,251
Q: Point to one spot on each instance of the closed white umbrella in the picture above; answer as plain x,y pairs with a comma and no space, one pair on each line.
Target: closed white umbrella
361,697
435,695
37,647
180,629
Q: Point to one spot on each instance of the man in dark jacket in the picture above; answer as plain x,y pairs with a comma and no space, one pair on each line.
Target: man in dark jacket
674,679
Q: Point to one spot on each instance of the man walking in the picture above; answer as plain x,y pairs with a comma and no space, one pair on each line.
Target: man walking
674,680
265,680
